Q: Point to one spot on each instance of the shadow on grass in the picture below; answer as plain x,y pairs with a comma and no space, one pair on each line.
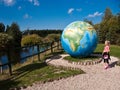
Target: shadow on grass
98,54
93,55
12,80
60,51
55,55
8,84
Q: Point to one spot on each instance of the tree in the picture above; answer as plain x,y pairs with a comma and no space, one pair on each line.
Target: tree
15,32
118,19
31,40
5,41
2,27
97,28
107,14
52,37
88,21
113,28
7,28
104,26
109,27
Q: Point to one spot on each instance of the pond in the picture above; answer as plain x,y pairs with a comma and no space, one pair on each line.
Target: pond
17,55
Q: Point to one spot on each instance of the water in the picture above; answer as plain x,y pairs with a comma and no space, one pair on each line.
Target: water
17,55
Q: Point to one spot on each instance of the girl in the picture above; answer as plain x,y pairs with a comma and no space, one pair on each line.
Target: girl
105,54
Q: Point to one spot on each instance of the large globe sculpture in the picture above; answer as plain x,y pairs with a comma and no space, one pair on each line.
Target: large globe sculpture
79,39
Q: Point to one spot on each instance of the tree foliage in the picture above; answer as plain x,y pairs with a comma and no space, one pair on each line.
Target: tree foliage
53,37
109,28
5,41
88,21
2,27
42,33
7,28
15,32
107,14
31,40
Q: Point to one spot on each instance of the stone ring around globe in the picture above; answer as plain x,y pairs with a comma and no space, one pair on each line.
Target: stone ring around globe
79,39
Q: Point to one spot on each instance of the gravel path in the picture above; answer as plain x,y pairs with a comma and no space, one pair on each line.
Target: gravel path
96,77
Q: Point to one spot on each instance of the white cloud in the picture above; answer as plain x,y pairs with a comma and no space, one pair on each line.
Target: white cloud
95,14
73,9
79,9
30,1
19,8
35,2
26,16
70,10
12,2
8,2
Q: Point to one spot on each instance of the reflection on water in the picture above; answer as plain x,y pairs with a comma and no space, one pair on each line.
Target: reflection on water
17,55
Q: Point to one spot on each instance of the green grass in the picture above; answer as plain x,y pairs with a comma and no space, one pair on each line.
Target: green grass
40,72
29,74
114,50
80,59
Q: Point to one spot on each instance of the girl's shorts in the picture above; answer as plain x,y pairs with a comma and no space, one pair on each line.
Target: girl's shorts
106,61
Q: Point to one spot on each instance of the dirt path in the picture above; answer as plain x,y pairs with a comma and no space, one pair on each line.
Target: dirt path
96,77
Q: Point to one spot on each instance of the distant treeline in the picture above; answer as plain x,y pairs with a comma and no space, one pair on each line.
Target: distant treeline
42,33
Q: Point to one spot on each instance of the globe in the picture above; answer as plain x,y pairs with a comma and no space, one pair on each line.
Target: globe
79,39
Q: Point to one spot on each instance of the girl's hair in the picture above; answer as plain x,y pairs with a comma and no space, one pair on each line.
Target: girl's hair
107,42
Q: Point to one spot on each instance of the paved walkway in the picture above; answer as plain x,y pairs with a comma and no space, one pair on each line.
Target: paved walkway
96,77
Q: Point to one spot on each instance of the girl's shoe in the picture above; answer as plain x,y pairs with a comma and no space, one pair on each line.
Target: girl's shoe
105,67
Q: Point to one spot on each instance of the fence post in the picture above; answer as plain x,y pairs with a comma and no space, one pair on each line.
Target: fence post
58,44
51,47
9,62
38,49
1,71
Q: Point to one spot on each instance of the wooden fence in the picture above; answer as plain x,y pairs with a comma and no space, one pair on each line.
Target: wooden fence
52,46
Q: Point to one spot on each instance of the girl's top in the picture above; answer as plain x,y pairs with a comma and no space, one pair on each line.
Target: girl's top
106,49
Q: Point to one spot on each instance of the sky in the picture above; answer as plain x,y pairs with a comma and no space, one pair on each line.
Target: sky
53,14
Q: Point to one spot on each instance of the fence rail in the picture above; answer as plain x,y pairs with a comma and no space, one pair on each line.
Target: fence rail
52,46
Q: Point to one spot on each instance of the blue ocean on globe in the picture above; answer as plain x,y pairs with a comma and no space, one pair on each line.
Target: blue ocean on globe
79,39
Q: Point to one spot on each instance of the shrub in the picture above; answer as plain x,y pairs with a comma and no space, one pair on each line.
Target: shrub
31,40
53,37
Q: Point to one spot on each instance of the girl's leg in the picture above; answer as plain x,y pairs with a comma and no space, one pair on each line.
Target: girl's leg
105,65
109,56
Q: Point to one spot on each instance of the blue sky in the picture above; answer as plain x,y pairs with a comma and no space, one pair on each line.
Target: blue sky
53,14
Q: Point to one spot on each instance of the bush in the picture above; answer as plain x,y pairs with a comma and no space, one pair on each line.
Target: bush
53,37
31,40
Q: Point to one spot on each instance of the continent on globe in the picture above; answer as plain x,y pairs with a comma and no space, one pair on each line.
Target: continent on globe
79,39
74,38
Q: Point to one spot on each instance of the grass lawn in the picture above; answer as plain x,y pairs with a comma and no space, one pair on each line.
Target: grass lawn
29,74
114,50
33,72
